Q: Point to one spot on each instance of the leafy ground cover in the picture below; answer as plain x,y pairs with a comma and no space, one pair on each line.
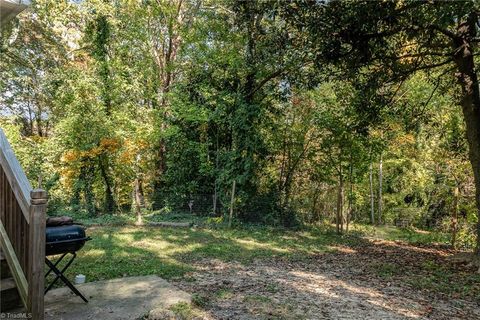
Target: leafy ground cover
273,274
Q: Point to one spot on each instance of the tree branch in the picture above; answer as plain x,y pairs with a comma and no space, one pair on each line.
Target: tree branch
265,80
443,31
432,66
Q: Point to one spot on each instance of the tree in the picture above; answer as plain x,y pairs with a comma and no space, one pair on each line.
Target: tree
343,146
98,39
397,40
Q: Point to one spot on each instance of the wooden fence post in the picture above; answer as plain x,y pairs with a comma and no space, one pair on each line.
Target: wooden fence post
36,278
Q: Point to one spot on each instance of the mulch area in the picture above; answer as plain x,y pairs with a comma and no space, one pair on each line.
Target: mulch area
372,279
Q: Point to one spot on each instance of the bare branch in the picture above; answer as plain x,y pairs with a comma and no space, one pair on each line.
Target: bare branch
265,80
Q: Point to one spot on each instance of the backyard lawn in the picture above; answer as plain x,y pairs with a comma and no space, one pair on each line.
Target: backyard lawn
262,273
171,252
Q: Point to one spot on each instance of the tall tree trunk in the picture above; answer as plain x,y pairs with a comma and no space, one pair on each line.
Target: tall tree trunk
380,189
232,202
165,56
372,196
470,101
455,216
139,198
350,195
287,193
161,168
339,220
215,183
109,203
87,175
315,218
39,121
215,196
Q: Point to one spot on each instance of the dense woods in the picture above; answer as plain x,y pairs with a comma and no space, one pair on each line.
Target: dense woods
273,112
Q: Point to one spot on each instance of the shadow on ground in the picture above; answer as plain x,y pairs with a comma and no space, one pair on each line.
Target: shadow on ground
245,274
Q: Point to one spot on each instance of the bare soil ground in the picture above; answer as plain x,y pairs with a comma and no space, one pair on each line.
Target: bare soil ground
374,279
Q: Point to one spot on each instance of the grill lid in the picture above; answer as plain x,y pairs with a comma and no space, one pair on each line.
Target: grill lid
65,239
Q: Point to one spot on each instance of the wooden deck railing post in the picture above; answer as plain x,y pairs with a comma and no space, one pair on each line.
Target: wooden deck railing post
36,279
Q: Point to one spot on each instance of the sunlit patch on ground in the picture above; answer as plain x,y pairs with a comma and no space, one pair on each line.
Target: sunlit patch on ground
342,249
233,274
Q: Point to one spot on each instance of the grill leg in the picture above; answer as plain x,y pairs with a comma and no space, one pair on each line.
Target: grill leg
55,264
53,267
59,275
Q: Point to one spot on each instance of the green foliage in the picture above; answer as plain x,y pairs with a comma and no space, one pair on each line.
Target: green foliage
170,102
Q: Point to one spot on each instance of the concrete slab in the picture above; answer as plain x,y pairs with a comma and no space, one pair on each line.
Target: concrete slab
118,299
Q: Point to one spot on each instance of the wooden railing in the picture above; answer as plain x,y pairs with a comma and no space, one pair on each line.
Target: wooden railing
22,229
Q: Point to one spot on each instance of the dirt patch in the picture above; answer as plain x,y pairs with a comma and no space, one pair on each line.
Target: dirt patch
371,280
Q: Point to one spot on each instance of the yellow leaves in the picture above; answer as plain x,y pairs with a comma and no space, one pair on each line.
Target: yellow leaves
70,156
72,159
131,149
394,126
109,145
376,133
68,176
405,139
408,52
127,157
76,155
106,145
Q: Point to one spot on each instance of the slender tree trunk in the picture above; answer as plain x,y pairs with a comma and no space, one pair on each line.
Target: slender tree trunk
470,101
87,173
139,198
109,203
340,195
372,196
39,121
287,193
315,212
215,183
215,197
349,211
232,202
30,119
165,55
455,216
380,189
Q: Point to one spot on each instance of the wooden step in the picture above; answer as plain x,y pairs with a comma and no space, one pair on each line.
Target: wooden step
4,269
9,296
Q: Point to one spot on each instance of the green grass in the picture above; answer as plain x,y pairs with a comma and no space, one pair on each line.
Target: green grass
386,270
435,277
184,311
410,235
118,251
224,294
115,252
127,218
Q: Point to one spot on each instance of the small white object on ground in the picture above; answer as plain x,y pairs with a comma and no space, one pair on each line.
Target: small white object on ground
79,278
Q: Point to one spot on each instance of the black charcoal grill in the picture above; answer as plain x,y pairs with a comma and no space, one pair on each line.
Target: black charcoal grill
64,240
